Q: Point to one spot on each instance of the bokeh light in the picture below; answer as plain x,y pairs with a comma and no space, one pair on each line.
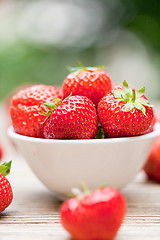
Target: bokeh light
39,38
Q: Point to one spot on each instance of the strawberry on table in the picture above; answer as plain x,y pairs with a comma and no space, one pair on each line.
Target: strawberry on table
92,82
152,166
125,112
94,215
73,118
26,105
6,194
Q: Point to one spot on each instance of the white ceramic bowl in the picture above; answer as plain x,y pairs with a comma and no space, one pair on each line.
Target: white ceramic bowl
63,164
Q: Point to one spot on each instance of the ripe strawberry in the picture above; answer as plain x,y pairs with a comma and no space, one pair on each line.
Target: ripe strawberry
73,118
125,112
92,82
94,215
27,117
1,152
152,166
151,127
6,195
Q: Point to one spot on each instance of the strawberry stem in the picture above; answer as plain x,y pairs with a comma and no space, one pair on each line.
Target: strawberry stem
84,188
133,95
68,96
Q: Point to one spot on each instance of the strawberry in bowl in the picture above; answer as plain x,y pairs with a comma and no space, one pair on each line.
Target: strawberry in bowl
26,109
62,136
73,118
125,112
92,82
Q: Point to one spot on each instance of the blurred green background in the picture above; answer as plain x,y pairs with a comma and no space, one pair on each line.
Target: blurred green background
39,38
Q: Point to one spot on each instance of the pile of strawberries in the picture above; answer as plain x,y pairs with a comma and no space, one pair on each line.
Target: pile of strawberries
90,106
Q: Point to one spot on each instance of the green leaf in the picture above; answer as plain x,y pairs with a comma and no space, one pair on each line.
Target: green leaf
50,105
126,88
84,187
145,102
5,168
80,68
118,93
143,110
74,69
130,105
128,95
118,100
44,113
141,92
80,193
97,67
56,99
131,98
138,105
125,84
76,191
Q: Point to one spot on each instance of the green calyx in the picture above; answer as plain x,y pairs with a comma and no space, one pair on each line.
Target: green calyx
79,193
50,106
132,98
80,68
5,168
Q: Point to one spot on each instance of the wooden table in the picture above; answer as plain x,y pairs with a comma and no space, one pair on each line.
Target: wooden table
34,212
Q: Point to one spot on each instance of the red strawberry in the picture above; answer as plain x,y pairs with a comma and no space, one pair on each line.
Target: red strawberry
95,215
6,195
1,152
125,112
73,118
92,82
150,129
27,117
152,166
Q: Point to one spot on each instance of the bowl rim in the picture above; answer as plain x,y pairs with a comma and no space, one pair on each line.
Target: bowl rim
155,133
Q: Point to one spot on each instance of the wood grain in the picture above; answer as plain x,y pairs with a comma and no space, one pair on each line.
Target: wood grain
34,212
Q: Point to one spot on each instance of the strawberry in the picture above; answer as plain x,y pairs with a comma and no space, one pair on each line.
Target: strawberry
27,117
152,166
94,215
73,118
92,82
6,195
125,112
1,152
151,127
